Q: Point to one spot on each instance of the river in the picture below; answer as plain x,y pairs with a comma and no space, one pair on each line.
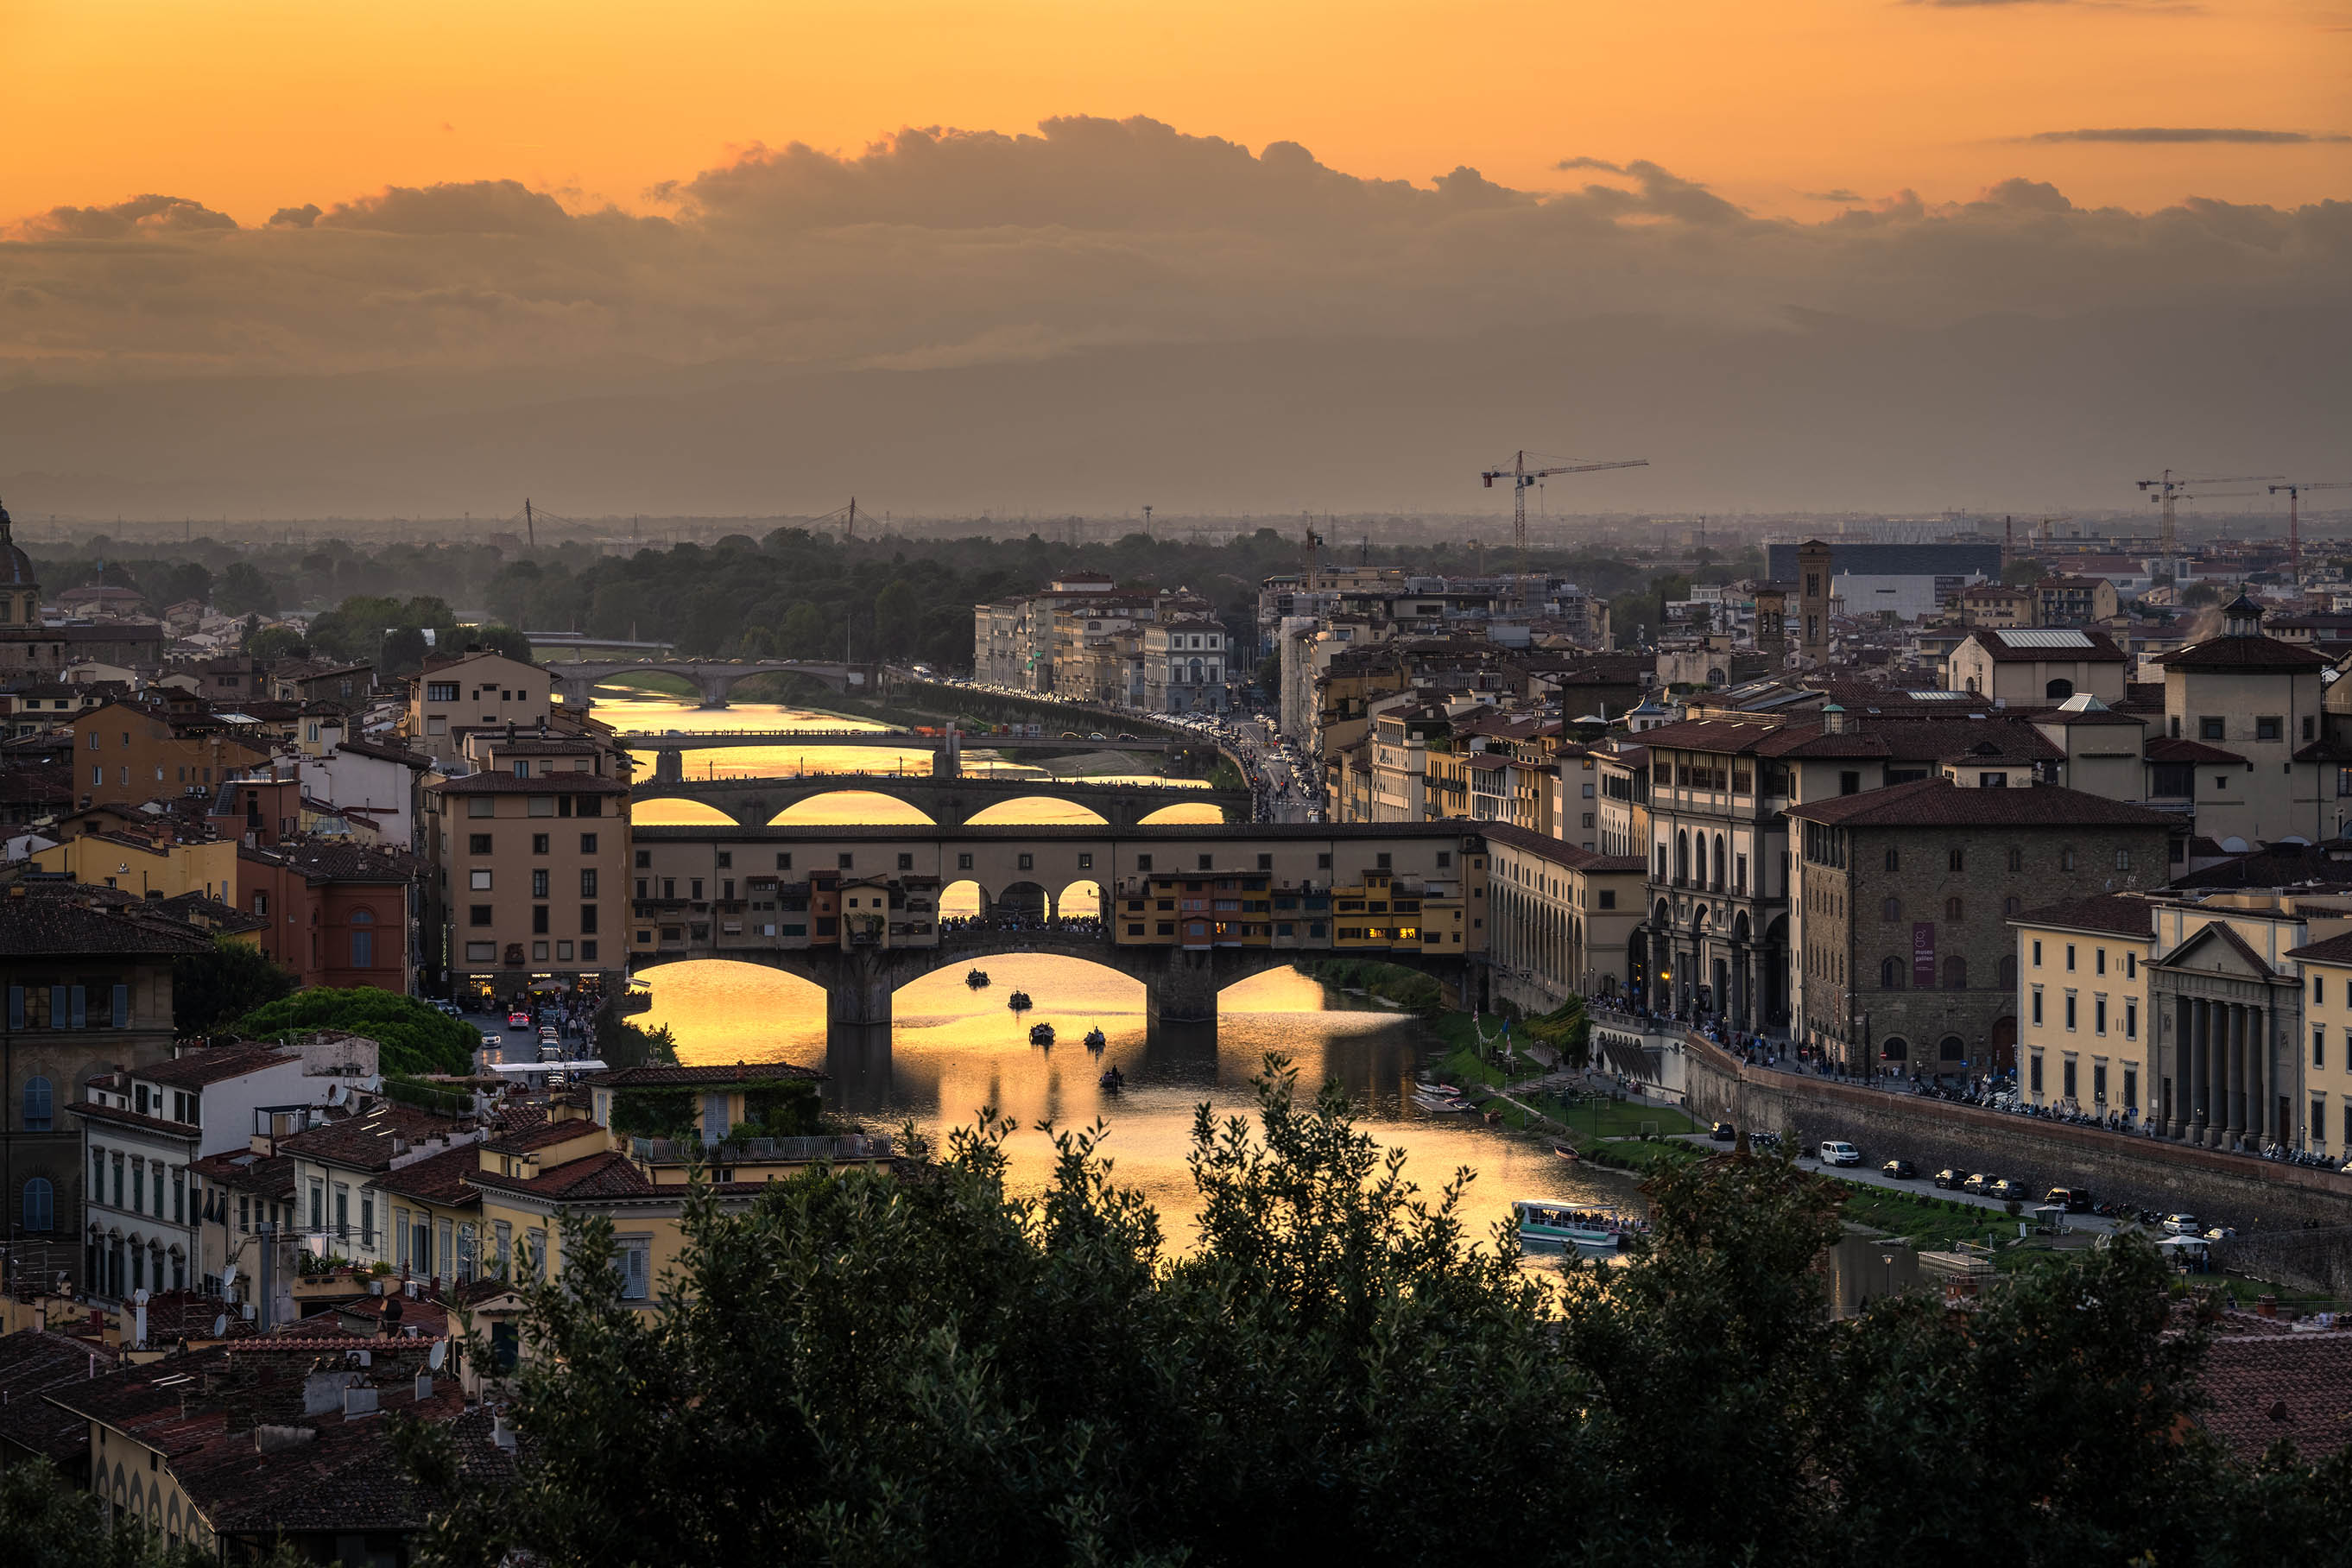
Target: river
953,1051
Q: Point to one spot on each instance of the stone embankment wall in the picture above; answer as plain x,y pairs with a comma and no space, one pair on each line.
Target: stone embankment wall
2218,1188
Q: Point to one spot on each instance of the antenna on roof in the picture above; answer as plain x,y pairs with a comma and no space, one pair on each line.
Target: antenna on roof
440,1355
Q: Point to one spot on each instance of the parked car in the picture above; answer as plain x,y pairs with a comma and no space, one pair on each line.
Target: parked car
550,1051
2074,1200
517,1020
1762,1143
1899,1171
2005,1190
1949,1178
1723,1132
1979,1182
2182,1224
1834,1152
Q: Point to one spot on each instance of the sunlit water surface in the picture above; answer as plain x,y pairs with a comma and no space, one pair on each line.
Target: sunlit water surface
954,1051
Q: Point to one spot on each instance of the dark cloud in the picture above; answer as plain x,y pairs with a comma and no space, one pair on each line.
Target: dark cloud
2187,134
1566,164
940,258
1840,195
140,214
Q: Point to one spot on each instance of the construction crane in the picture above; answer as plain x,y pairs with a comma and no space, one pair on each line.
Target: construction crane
2175,486
1522,477
2294,520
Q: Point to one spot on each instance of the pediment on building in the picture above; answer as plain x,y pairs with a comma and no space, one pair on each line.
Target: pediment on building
2216,949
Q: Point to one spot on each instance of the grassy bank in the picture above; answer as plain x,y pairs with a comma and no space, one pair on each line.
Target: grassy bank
1929,1223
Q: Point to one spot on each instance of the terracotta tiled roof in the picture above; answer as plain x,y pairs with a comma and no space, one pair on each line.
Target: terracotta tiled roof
30,926
2334,949
91,1110
34,1362
541,1135
197,1068
445,1178
1559,851
607,1175
2268,1386
2181,749
2111,912
1939,802
265,1176
367,1142
2244,652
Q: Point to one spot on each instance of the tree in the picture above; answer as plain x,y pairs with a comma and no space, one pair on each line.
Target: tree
1269,674
505,640
415,1037
896,612
2198,595
278,642
2023,572
234,978
242,590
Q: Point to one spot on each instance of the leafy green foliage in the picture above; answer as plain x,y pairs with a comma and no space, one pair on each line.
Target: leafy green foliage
864,1368
47,1522
621,1044
242,590
414,1038
235,978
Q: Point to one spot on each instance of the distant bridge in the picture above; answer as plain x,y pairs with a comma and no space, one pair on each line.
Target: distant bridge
576,680
901,739
949,802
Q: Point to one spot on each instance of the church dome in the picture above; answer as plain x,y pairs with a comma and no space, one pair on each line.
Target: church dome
15,566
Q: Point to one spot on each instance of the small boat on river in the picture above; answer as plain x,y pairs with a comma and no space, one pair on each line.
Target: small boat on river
1592,1231
1018,1002
1112,1081
1096,1039
1565,1151
977,979
1041,1033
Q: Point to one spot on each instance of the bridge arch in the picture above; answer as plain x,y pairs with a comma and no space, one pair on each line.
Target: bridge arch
1025,812
811,810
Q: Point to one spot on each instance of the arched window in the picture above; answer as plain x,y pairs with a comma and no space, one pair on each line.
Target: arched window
1890,974
1894,860
1955,974
1953,1048
2009,972
2011,905
2016,858
40,1105
1719,860
40,1206
1895,1049
1892,909
2059,690
1954,912
1682,854
1972,685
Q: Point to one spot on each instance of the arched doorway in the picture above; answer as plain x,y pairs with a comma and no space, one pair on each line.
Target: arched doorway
2004,1044
1023,904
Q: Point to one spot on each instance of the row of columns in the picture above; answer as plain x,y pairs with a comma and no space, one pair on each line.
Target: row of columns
2222,1061
1738,999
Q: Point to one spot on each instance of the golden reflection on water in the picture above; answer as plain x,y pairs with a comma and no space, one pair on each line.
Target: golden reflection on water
953,1051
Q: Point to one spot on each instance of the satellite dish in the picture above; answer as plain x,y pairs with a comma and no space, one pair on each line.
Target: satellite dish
440,1355
220,1326
229,1278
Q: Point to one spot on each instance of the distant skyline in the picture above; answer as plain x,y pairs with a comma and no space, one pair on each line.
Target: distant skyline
264,259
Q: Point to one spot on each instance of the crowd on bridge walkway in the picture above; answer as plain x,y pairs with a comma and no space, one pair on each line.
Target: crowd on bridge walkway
1014,924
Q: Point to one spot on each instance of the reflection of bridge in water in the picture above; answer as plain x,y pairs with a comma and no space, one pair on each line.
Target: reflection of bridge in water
1186,911
949,802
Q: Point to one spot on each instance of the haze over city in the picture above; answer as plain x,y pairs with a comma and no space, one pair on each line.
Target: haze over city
735,259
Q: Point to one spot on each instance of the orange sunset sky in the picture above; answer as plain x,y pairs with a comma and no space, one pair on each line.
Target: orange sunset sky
750,256
249,105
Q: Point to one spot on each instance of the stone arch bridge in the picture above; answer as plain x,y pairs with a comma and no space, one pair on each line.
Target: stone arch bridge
1434,863
575,681
949,802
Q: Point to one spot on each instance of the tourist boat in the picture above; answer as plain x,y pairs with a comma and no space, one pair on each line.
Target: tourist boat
1588,1230
1018,1001
1041,1033
1096,1039
977,979
1431,1099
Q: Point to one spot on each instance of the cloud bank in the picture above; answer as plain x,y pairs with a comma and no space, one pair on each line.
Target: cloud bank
2168,133
941,254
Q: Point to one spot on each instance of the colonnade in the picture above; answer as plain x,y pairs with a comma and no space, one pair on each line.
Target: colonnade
2224,1075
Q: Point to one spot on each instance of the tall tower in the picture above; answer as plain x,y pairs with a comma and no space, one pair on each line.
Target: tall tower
20,590
1772,619
1813,601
